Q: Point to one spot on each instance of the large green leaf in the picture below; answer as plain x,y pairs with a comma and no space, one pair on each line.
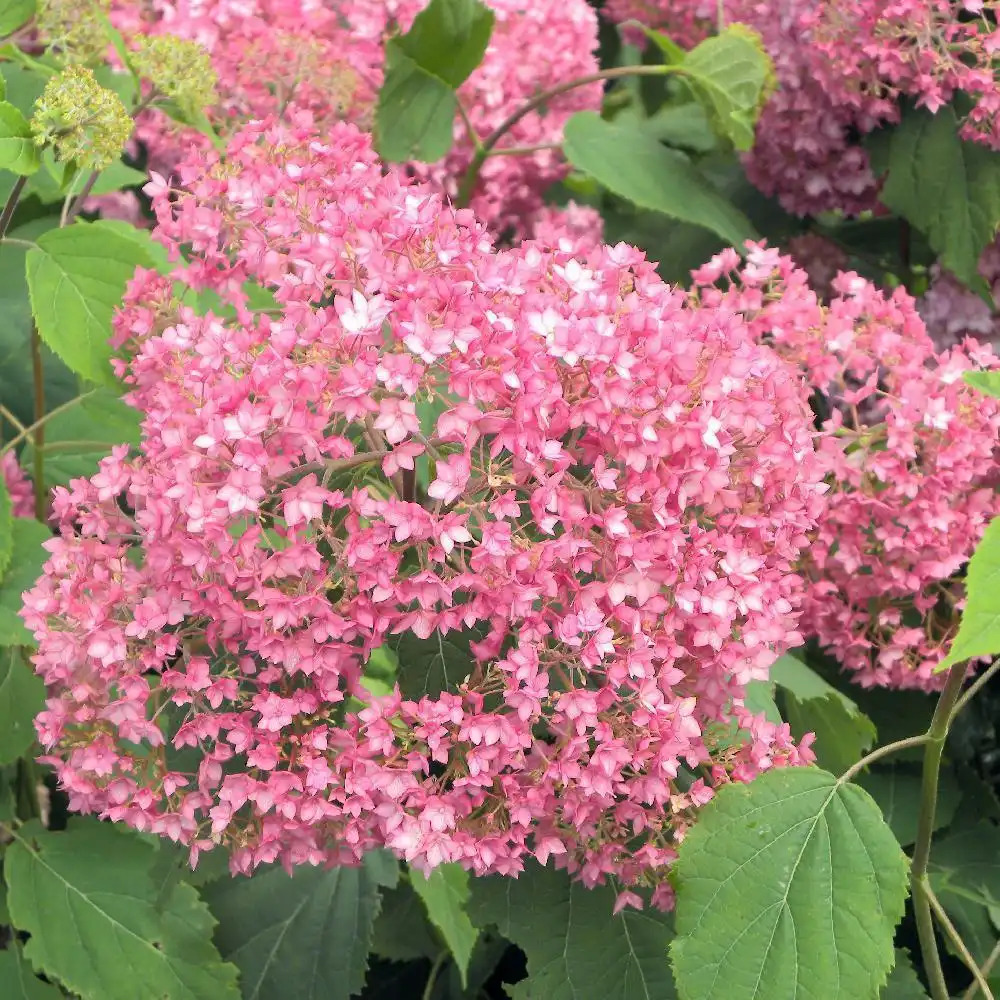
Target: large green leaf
14,13
843,731
22,697
979,627
576,949
896,787
305,936
946,187
86,899
448,39
633,165
903,983
18,152
730,73
413,120
19,980
417,103
25,568
788,888
435,664
76,278
16,384
445,893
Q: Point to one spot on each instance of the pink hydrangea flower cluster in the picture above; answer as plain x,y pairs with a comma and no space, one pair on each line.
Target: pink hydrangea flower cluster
328,58
19,486
621,479
911,456
842,67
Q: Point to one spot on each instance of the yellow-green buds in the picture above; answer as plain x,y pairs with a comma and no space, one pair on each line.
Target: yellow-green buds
74,28
81,120
178,68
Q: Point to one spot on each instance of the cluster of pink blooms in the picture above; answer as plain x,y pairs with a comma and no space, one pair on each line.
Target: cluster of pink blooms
19,487
910,451
842,67
622,480
327,57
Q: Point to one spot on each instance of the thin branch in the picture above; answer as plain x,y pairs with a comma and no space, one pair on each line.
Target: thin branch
468,185
880,752
981,681
986,969
28,431
956,939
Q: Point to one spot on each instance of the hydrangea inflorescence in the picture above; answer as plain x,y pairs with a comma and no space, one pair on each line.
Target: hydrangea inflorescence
622,481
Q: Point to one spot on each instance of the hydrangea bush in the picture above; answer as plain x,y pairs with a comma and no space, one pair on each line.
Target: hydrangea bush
409,585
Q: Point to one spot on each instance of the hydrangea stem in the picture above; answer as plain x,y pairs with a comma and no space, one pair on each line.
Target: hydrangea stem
468,186
920,886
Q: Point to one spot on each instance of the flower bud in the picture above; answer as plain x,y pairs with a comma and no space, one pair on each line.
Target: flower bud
73,28
81,120
179,68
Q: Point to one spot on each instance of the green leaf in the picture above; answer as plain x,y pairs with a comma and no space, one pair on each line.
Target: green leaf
944,186
25,568
635,166
18,152
448,39
896,787
306,936
730,74
22,697
6,527
14,13
903,983
87,901
76,279
445,893
19,979
402,932
988,382
575,947
783,884
415,113
843,732
979,626
439,663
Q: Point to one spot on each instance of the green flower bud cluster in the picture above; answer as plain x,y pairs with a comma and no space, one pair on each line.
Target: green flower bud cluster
74,28
178,68
82,121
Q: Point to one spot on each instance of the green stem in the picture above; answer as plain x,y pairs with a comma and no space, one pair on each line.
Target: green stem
39,422
880,752
981,681
468,184
432,976
80,198
38,451
920,886
987,968
12,199
959,945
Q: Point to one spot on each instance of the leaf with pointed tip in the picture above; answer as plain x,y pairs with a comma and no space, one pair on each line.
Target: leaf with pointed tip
633,165
85,897
22,697
445,893
785,883
979,626
575,946
306,935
